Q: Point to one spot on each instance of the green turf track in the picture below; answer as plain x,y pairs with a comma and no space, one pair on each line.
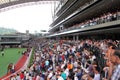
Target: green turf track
11,55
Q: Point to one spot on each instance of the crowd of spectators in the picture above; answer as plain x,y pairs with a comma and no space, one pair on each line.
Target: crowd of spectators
106,17
74,60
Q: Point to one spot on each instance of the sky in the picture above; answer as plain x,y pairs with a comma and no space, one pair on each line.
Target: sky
33,18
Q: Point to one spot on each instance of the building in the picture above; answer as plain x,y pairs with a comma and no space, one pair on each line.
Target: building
13,39
75,19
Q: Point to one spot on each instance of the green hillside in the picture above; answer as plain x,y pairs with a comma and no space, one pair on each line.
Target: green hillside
6,31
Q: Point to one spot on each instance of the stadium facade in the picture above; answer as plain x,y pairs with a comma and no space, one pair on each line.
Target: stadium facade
14,39
75,19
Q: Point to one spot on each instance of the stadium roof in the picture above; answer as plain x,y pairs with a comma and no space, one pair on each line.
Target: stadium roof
10,4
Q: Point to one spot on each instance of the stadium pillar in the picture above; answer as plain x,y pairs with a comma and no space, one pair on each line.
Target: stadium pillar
77,37
74,38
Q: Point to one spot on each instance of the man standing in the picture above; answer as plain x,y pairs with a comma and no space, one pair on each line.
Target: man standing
2,53
2,50
115,60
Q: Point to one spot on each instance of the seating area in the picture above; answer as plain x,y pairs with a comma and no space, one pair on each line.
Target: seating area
108,17
73,60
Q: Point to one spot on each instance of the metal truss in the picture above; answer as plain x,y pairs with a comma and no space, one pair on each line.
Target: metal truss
11,4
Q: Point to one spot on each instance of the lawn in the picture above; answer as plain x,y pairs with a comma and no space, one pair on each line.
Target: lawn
11,55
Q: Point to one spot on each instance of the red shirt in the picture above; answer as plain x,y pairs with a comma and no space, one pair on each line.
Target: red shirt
21,75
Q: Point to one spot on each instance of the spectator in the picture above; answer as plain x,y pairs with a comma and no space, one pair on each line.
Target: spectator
18,77
22,76
115,60
59,77
96,73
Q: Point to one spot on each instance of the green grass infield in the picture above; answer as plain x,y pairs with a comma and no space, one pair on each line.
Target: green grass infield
11,55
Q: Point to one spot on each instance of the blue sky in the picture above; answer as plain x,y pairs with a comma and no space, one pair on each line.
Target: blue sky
32,18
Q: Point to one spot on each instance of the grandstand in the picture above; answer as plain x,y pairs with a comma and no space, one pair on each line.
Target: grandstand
14,39
83,42
85,17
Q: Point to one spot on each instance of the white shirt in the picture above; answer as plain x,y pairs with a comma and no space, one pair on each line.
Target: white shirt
13,78
93,57
97,77
75,77
27,76
30,78
18,78
66,72
75,64
38,77
62,66
50,75
58,48
37,58
13,67
60,78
